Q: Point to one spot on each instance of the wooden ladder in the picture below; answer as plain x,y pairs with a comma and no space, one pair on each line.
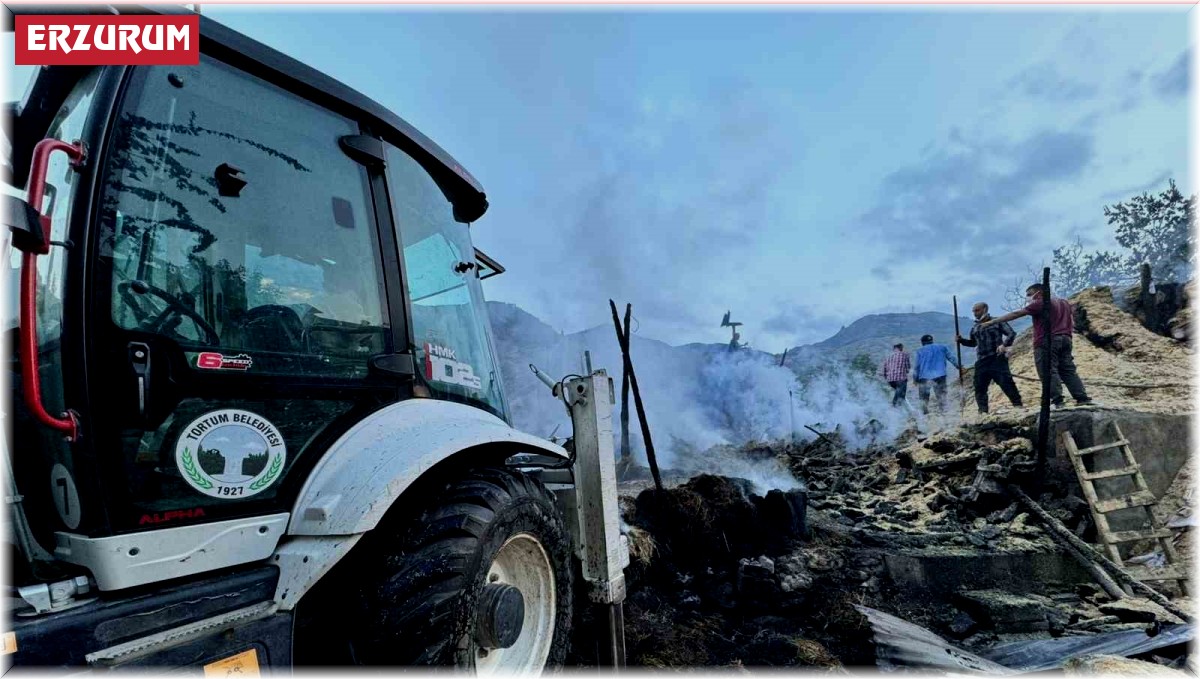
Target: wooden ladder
1141,497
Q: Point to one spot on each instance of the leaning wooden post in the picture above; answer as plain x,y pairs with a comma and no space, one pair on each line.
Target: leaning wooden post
637,397
1047,365
1063,535
623,340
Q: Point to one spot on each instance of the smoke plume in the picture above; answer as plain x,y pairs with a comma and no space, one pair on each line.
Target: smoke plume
702,402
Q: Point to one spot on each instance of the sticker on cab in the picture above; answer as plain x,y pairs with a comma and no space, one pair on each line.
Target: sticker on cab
442,365
211,360
230,454
8,643
244,664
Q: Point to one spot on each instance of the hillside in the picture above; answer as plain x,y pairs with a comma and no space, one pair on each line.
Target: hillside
700,395
875,334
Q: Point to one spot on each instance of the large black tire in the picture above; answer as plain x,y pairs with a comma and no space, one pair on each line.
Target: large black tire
420,583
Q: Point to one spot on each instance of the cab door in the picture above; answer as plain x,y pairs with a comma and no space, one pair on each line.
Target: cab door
451,334
238,295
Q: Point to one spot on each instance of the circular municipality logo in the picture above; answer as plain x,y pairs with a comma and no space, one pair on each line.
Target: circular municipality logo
230,454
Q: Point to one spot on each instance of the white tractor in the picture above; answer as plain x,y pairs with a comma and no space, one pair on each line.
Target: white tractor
256,417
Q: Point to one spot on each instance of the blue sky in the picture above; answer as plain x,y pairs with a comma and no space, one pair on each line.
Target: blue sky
801,167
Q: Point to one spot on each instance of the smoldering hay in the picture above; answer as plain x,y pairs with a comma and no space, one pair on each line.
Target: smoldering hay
696,397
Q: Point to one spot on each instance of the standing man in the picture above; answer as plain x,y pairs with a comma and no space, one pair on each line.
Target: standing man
1062,325
930,367
992,343
895,371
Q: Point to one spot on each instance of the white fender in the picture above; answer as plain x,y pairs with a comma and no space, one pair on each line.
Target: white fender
365,470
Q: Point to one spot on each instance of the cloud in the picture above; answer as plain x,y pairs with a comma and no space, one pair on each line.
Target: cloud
1043,81
1158,183
973,199
798,321
669,217
1172,82
882,272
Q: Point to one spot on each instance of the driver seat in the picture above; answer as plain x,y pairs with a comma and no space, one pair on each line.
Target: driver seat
273,327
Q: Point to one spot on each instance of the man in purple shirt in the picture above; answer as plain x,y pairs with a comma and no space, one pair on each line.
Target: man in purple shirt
1062,362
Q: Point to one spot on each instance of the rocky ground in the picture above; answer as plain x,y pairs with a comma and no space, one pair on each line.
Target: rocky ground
722,577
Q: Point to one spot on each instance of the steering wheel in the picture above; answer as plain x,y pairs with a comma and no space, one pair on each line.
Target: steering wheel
174,307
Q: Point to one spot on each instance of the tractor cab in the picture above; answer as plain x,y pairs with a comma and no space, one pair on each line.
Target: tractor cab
240,261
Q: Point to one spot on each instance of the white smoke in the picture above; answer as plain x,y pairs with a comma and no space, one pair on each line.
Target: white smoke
697,397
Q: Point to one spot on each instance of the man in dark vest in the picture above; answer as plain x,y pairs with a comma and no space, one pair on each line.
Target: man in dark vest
991,344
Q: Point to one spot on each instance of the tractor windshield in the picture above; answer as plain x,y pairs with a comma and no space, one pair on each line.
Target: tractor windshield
238,229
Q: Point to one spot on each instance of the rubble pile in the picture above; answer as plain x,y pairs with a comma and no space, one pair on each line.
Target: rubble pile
1175,510
907,551
730,583
943,490
1164,310
724,578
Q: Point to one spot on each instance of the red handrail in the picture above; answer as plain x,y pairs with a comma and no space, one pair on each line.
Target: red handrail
31,381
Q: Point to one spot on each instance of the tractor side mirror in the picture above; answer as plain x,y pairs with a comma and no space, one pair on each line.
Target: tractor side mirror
26,226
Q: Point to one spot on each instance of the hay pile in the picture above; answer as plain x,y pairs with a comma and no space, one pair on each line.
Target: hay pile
1122,364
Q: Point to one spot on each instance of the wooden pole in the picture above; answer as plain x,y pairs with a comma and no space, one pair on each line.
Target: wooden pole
792,418
623,337
624,341
1098,574
1047,364
1063,535
824,437
962,395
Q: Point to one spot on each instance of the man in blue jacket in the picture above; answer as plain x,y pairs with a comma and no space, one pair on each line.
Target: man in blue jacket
929,369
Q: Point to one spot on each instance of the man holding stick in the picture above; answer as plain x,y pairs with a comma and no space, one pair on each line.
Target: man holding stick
991,363
1062,326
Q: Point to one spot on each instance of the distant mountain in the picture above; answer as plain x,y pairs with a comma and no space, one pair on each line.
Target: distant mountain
668,376
699,395
874,335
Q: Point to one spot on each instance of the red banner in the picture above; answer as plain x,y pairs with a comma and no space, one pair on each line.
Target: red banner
88,40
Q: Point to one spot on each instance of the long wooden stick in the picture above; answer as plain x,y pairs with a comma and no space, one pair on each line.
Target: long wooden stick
962,395
1061,533
622,338
824,437
624,341
1098,574
1047,378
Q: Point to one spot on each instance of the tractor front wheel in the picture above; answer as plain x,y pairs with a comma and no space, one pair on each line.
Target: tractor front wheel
480,578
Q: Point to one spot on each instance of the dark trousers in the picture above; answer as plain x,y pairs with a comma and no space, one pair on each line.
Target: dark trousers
1062,369
939,391
989,369
899,392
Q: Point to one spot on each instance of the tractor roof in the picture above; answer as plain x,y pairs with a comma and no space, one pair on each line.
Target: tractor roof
462,189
